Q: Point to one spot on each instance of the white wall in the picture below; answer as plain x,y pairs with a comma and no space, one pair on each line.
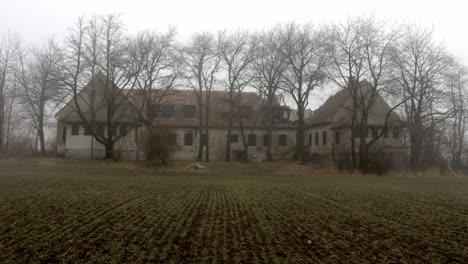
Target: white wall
81,146
217,144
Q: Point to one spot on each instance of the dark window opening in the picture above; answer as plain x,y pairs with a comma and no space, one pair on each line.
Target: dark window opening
324,137
316,138
282,140
266,140
310,139
75,129
189,111
337,137
251,140
188,139
64,134
87,130
233,139
164,111
100,130
385,132
374,132
171,139
123,129
396,132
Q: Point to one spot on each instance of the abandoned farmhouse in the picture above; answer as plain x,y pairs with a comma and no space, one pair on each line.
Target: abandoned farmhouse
174,126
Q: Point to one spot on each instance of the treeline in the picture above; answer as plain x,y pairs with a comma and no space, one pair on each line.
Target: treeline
418,76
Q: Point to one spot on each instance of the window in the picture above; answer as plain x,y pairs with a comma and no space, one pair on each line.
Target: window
251,140
385,132
171,139
316,138
164,110
266,140
374,132
75,129
87,130
188,139
123,129
282,140
396,132
324,137
367,133
337,137
189,111
310,139
234,139
64,135
100,130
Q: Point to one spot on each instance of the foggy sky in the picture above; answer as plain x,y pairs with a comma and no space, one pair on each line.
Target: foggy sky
37,20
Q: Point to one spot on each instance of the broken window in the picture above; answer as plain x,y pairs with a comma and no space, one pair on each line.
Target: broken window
337,137
324,137
316,138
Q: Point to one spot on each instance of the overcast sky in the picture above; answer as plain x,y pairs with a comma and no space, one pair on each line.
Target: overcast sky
37,20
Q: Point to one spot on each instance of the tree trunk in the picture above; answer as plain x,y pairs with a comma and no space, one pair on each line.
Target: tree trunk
363,156
109,150
269,155
228,140
300,136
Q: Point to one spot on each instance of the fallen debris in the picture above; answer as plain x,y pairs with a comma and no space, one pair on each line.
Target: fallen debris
196,166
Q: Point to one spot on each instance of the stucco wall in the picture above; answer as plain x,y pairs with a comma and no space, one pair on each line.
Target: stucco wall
81,146
217,144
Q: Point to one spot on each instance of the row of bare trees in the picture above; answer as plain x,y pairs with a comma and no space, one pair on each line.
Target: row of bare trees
405,64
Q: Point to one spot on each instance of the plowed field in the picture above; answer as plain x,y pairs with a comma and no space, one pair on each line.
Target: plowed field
80,213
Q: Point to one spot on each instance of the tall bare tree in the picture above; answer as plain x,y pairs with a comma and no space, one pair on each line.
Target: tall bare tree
6,66
361,52
305,50
99,53
420,64
39,76
237,51
202,63
269,67
160,68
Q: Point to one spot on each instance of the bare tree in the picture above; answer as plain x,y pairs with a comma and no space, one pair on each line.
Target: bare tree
456,80
99,54
6,64
361,64
202,63
39,76
160,67
269,67
237,51
420,64
305,50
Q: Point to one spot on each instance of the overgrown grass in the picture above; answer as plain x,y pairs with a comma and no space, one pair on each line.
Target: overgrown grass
75,212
